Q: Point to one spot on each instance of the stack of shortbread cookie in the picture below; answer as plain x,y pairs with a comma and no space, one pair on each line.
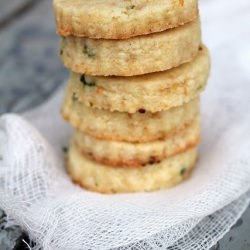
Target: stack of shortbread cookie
138,68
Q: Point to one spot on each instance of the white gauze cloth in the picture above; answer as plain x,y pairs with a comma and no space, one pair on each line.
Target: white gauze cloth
37,194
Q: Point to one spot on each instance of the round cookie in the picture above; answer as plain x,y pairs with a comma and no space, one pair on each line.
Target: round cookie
120,19
105,179
114,153
134,56
122,126
152,92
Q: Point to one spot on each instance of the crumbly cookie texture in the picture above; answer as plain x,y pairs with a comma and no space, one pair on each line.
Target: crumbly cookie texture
153,92
106,179
134,56
113,153
122,126
121,19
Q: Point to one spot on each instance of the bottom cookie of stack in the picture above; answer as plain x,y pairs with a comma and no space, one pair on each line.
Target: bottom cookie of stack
107,179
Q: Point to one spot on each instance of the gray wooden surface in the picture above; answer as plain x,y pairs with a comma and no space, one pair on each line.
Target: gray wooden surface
30,71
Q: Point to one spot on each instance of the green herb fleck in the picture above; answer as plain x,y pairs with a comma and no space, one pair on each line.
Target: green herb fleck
62,45
86,82
183,171
88,51
65,150
130,7
74,97
200,88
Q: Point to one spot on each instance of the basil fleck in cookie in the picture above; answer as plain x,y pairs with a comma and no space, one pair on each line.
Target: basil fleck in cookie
134,56
120,19
106,179
152,92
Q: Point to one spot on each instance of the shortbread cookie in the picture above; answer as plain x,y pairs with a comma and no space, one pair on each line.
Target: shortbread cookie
106,179
121,126
153,92
127,154
135,56
112,19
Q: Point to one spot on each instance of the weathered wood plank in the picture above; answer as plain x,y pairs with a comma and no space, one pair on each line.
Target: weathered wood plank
30,68
10,9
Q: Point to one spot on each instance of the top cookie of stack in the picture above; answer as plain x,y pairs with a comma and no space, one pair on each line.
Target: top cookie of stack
147,43
121,19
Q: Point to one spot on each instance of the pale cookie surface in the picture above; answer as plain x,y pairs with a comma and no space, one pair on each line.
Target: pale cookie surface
120,19
113,153
105,179
135,56
122,126
152,92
